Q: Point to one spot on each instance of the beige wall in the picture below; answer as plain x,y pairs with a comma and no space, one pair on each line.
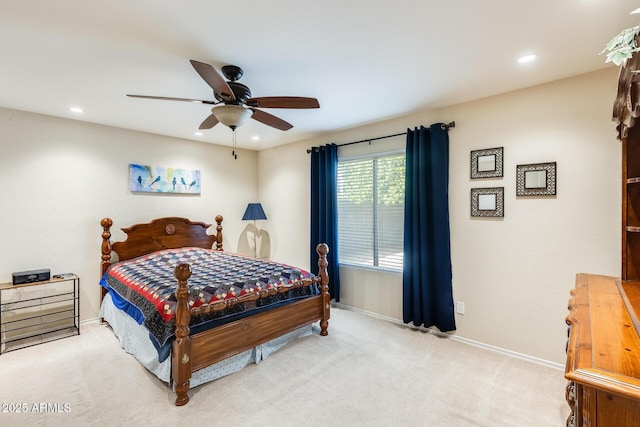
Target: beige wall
60,177
514,274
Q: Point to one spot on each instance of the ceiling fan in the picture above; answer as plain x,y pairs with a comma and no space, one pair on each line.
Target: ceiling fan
233,104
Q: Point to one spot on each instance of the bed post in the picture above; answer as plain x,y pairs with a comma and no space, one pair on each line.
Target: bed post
322,249
219,233
181,354
106,224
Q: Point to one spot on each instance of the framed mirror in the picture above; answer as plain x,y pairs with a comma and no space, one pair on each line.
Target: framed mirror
487,202
487,163
537,179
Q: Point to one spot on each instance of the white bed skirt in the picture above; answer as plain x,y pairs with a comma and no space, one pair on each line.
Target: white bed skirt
134,339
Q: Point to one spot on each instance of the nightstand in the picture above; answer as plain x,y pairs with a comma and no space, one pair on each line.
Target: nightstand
39,312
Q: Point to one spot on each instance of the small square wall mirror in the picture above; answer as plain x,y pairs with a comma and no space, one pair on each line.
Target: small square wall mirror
537,179
487,202
486,163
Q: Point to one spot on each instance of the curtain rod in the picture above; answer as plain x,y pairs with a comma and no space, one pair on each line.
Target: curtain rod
444,126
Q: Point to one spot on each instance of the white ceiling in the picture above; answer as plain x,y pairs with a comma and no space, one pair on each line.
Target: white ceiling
364,61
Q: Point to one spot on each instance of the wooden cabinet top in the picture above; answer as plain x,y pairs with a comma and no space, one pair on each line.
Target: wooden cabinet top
603,350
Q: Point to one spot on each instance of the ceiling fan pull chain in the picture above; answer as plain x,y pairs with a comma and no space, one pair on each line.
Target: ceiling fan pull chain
235,156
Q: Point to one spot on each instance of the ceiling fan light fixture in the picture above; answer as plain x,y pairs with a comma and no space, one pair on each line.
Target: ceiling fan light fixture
231,115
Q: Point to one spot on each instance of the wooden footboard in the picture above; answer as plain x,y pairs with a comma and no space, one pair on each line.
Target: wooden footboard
191,353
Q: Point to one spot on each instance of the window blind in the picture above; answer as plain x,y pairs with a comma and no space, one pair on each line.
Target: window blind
371,210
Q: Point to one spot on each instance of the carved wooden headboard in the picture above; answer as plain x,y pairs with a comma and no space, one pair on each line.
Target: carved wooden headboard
161,233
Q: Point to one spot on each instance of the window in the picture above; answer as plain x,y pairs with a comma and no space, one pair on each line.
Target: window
371,210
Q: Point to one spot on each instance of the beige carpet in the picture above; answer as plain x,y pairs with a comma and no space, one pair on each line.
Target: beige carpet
367,372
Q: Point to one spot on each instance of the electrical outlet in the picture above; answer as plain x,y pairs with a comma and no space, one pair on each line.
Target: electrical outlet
460,307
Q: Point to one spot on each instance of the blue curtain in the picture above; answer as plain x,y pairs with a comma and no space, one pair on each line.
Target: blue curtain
324,211
426,278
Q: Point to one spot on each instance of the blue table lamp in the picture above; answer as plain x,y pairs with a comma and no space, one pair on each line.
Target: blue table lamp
254,212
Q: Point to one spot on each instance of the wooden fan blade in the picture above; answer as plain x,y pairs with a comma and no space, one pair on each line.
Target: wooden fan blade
209,122
270,120
214,79
166,98
283,102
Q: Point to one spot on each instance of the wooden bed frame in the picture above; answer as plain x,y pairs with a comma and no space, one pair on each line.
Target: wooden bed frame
193,352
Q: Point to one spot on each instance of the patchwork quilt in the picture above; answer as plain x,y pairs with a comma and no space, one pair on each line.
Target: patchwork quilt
144,287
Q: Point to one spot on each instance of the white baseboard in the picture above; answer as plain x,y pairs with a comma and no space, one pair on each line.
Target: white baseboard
456,337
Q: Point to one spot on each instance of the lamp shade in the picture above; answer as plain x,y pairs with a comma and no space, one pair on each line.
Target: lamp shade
254,211
231,115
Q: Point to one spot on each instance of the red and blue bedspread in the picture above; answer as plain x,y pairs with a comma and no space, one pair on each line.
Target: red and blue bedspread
144,287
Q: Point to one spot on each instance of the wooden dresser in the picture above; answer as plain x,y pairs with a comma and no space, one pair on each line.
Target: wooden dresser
603,352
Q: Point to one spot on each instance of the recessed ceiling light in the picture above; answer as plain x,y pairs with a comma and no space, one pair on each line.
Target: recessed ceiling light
198,133
76,110
527,58
255,138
